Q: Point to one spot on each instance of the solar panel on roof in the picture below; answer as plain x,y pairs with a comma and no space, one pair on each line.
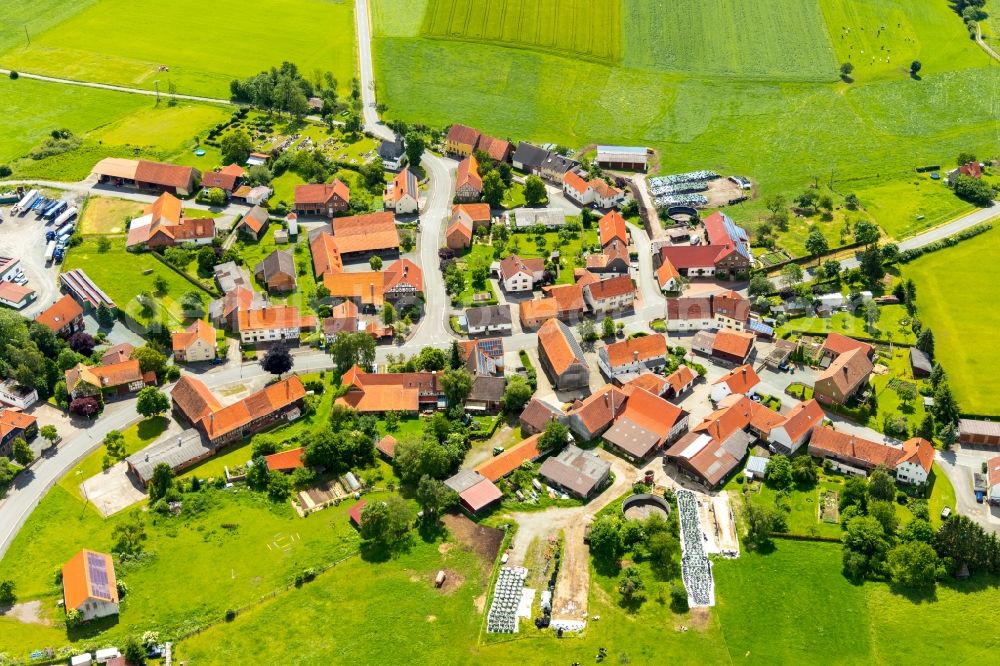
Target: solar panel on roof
98,573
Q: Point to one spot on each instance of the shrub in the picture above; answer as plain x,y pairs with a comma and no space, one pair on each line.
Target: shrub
5,171
678,598
230,615
14,75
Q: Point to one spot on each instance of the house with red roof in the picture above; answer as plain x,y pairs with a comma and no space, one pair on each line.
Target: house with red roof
726,252
800,422
647,423
468,183
89,585
13,424
195,343
228,179
741,379
475,492
285,461
562,357
732,347
402,194
64,317
611,295
633,355
325,199
163,224
680,381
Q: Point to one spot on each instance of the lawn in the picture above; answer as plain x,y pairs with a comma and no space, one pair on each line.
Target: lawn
107,215
783,133
123,42
523,245
588,29
884,387
890,326
137,437
123,276
728,41
255,252
800,505
951,285
908,206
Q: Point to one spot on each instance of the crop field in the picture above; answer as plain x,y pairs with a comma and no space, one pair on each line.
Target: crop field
779,39
783,133
578,28
35,17
952,284
127,43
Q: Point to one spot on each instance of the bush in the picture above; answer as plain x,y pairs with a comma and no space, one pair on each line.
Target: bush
907,256
678,598
5,171
14,75
230,615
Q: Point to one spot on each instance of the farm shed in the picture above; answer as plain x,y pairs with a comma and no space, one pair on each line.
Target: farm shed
178,451
632,158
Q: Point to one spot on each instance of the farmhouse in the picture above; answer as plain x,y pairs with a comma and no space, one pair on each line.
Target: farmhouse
146,175
647,423
117,354
271,323
64,317
163,225
732,347
475,492
647,381
195,343
561,356
361,236
727,251
912,463
528,157
847,376
463,141
668,278
739,380
482,357
178,451
647,352
400,282
971,169
222,425
228,179
612,228
374,392
799,424
489,320
979,432
224,311
630,158
611,295
402,194
343,319
564,302
837,344
593,415
505,463
680,381
84,291
254,223
392,152
325,199
13,424
114,379
576,472
536,415
473,215
517,274
613,260
468,184
89,585
277,271
595,191
15,296
458,236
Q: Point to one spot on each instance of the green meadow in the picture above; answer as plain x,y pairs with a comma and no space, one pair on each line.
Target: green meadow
200,52
953,291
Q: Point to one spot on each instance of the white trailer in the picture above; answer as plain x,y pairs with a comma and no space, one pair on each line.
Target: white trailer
66,229
66,216
24,203
50,250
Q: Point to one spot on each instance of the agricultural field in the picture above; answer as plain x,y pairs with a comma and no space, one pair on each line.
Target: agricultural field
727,38
589,29
783,133
952,285
908,206
128,43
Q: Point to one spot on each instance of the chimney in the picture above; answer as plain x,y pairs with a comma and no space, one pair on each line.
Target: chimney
635,355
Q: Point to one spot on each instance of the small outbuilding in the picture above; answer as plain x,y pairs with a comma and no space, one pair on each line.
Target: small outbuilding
920,363
575,471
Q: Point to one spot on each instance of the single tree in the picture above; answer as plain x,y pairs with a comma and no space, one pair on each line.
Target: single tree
150,360
913,564
456,385
915,67
631,586
8,593
162,481
431,359
925,341
456,356
587,331
816,244
415,145
866,232
663,550
236,147
82,343
130,534
907,393
375,262
350,349
881,486
388,314
846,69
385,522
22,452
554,437
926,427
608,327
872,314
105,317
945,408
434,497
277,361
516,394
151,402
760,521
804,471
493,189
49,434
605,539
779,471
791,275
759,285
534,191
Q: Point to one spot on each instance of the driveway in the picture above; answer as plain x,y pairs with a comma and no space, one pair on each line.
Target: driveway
23,237
959,465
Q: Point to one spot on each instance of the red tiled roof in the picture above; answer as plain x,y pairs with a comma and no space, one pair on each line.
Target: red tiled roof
642,348
387,445
838,344
847,371
325,254
291,459
802,418
199,330
403,272
555,341
78,584
652,413
271,399
462,134
355,512
477,212
365,233
497,149
600,408
655,384
514,264
612,227
14,293
611,288
468,174
682,309
680,378
459,231
60,313
14,419
736,343
169,175
269,318
918,451
740,379
321,193
844,445
665,273
569,297
574,180
193,398
505,463
480,495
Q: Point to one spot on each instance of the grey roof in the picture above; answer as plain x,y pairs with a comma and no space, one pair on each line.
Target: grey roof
529,155
920,361
487,389
493,315
559,163
576,470
257,213
529,217
464,480
632,438
175,450
229,276
757,465
738,443
392,150
978,427
704,339
277,262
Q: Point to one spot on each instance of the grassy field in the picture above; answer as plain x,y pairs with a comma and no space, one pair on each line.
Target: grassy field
951,285
890,326
589,29
122,42
782,133
122,276
908,206
660,36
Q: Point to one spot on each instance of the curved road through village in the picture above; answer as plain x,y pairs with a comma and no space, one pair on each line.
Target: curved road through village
29,488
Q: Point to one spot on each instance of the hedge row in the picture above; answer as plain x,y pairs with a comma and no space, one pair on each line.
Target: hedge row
907,256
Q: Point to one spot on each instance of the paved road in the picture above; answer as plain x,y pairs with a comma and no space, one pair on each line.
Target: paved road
122,89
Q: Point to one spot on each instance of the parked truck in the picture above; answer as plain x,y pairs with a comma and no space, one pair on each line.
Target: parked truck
25,202
50,250
65,230
65,217
54,211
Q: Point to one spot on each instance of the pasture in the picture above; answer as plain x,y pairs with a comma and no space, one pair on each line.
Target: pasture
127,43
952,287
588,29
774,39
